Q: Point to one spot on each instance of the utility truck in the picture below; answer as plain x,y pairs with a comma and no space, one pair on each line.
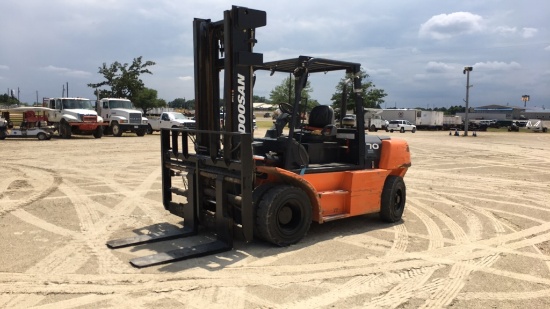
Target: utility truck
169,120
74,116
374,121
121,116
225,180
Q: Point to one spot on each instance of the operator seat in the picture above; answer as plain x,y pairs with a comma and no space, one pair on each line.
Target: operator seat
321,118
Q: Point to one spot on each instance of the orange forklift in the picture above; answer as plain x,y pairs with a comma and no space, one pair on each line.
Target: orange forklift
270,187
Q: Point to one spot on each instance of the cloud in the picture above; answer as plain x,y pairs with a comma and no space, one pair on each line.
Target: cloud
496,66
438,67
66,71
445,26
4,67
505,30
529,32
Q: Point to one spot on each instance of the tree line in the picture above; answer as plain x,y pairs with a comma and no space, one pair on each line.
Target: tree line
123,80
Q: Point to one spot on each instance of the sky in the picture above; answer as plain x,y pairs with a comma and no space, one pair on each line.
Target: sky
414,50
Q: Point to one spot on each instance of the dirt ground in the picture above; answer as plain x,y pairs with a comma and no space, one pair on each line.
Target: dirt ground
475,233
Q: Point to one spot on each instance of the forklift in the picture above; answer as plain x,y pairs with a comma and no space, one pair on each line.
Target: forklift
220,178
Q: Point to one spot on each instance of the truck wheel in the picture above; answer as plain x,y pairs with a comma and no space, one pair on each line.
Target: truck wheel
402,130
42,136
393,199
65,130
117,131
413,130
284,215
98,133
373,128
141,132
2,135
149,129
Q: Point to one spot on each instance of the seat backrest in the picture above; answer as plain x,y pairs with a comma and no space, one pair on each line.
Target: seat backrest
320,116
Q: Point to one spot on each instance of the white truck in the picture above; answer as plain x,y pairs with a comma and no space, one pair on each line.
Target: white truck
170,120
121,116
374,120
430,120
73,116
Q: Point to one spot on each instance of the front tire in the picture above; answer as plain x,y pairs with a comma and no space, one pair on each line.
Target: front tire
65,130
141,132
98,133
402,130
117,131
413,130
392,203
373,128
284,215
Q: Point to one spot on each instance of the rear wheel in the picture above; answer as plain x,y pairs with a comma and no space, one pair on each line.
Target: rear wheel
402,130
373,128
393,199
283,216
149,129
413,130
2,134
42,136
117,131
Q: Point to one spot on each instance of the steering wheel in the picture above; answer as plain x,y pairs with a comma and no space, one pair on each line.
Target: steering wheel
286,108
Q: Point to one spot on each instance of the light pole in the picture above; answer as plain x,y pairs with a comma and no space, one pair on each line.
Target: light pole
467,71
525,98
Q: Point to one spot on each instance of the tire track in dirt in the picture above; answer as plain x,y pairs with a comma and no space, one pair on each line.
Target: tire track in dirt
43,190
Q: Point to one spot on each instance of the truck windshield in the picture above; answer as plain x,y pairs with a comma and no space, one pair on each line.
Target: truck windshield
121,104
77,104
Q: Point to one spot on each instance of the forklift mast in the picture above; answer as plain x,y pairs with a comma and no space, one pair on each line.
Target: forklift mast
226,46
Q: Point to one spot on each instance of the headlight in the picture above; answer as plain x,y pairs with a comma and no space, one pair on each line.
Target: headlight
123,121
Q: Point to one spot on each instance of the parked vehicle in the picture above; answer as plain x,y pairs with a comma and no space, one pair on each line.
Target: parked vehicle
373,120
32,123
74,116
169,120
427,120
536,125
401,126
452,122
121,116
349,121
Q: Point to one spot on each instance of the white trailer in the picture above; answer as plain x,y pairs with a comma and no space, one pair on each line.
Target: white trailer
432,120
452,122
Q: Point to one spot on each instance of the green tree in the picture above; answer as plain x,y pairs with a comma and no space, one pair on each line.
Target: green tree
280,94
146,99
8,100
372,96
122,79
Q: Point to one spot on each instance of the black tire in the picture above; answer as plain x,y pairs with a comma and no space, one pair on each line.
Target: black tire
373,128
141,132
42,136
402,130
392,203
65,130
98,133
391,131
115,128
149,129
3,134
413,130
283,215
